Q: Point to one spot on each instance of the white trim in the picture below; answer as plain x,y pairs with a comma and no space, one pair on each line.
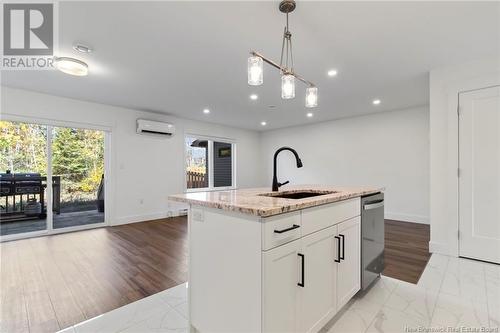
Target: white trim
407,217
441,248
210,189
210,162
109,189
208,137
54,122
49,195
25,235
233,165
148,217
448,86
49,125
78,228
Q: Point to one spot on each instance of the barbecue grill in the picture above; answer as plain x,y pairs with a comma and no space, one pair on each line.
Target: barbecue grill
24,196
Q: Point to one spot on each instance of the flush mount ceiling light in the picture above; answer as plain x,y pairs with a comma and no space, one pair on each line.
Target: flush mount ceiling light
288,74
376,101
263,123
206,111
71,66
254,97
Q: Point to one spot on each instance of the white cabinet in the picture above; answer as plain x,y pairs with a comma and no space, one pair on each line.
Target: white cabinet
349,268
306,281
318,299
281,275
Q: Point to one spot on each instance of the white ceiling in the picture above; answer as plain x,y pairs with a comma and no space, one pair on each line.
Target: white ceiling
180,57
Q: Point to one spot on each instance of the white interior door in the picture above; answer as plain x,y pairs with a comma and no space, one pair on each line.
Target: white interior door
479,177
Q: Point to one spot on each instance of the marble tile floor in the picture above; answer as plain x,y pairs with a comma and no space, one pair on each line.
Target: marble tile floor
165,311
453,295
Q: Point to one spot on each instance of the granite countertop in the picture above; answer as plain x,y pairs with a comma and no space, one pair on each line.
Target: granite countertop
250,201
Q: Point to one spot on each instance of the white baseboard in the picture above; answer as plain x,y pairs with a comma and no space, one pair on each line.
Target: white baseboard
441,248
407,218
147,217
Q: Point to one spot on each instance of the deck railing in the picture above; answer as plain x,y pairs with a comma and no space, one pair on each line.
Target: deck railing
196,179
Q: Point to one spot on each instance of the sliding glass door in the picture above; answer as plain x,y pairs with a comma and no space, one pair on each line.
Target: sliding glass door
78,176
51,178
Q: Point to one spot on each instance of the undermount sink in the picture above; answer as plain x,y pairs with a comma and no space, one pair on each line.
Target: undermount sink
296,194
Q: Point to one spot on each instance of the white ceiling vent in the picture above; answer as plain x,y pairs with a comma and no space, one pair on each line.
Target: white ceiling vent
155,128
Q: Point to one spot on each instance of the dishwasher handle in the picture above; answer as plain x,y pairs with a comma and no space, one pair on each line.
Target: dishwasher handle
373,205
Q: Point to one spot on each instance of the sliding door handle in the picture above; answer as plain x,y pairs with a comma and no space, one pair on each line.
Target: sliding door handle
338,249
343,246
302,268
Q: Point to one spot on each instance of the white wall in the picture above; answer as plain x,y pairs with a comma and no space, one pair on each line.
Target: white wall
142,167
445,85
389,149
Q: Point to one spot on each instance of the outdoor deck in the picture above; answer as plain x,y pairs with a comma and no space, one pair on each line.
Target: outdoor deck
62,220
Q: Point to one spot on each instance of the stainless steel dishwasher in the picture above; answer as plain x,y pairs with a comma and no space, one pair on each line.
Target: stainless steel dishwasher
372,234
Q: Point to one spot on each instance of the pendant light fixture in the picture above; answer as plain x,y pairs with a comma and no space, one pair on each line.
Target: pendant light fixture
255,71
288,74
311,97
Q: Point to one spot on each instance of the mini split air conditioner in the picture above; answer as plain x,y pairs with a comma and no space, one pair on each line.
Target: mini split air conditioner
155,128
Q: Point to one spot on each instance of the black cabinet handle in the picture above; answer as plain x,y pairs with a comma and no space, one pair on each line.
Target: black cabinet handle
343,246
303,259
338,249
295,226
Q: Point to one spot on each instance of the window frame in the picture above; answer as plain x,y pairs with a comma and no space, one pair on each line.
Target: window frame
210,163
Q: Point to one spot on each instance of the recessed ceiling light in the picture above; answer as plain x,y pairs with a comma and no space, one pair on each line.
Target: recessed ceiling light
71,66
253,97
332,72
206,111
263,123
376,102
309,115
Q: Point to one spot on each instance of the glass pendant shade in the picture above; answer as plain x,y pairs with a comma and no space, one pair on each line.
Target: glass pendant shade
311,97
287,86
255,71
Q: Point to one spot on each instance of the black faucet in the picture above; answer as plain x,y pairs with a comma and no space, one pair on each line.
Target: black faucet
276,184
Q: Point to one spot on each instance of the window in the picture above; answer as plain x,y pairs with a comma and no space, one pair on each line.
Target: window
209,163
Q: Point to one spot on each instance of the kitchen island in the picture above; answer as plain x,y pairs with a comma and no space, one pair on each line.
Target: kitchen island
263,261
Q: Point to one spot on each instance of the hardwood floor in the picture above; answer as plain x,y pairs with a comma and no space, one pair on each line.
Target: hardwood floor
406,250
49,283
